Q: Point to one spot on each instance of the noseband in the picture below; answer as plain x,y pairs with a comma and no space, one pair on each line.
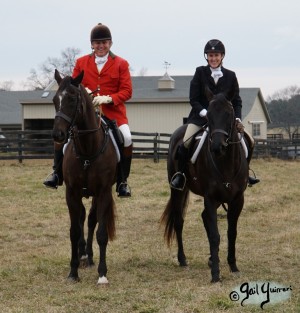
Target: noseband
218,130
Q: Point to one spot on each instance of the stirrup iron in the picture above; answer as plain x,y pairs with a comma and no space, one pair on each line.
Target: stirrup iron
184,181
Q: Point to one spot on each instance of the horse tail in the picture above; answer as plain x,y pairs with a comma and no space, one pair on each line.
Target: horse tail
109,220
173,215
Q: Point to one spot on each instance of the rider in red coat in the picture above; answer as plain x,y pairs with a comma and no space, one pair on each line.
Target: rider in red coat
113,80
107,77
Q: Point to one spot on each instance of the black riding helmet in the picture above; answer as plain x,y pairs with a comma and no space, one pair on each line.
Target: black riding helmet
100,32
214,45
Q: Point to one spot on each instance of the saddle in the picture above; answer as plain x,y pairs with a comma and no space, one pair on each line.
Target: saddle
115,135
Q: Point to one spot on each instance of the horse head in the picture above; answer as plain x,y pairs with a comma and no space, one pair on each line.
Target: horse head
68,105
221,121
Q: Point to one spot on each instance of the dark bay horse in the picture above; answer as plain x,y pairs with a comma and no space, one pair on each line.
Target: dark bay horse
219,174
89,169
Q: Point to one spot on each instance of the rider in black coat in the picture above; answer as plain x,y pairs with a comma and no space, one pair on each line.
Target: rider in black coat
219,80
226,84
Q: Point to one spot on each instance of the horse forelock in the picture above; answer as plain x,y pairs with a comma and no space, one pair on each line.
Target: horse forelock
220,103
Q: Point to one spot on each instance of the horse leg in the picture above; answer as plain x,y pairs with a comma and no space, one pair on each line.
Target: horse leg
75,233
82,242
92,222
206,226
105,231
234,210
209,216
178,226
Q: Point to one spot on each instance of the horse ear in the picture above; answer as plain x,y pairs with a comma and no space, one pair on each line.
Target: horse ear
77,80
57,76
209,94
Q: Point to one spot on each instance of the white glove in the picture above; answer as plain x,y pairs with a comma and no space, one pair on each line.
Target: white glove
98,100
88,90
203,113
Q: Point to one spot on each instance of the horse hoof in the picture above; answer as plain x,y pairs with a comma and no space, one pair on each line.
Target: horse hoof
102,281
215,280
71,279
90,263
233,269
183,263
83,261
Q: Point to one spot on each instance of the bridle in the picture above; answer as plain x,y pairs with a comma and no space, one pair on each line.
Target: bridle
228,142
74,132
228,134
70,120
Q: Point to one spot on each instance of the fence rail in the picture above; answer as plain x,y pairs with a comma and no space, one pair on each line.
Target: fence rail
38,144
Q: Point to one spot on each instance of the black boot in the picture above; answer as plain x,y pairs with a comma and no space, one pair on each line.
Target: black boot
251,180
122,188
56,178
178,180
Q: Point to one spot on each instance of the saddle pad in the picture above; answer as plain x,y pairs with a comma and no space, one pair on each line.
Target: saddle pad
112,139
201,142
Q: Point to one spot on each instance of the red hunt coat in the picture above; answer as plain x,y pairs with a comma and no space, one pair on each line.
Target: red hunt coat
114,80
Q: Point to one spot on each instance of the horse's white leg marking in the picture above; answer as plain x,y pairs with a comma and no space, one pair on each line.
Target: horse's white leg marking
102,280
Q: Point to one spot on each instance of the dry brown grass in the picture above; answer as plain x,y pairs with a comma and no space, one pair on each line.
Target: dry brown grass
143,273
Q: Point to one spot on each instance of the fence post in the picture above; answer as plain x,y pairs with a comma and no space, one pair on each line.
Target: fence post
20,147
155,149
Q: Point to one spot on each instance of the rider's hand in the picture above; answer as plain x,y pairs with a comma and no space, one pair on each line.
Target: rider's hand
239,125
203,113
98,100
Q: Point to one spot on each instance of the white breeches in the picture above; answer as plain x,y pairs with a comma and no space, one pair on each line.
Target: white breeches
126,134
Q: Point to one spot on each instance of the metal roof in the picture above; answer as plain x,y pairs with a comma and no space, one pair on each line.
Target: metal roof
145,89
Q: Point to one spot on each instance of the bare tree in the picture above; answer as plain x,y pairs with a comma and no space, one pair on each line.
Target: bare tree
6,85
41,78
285,93
141,72
284,109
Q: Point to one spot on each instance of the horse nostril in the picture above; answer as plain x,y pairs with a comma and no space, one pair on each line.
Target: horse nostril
58,136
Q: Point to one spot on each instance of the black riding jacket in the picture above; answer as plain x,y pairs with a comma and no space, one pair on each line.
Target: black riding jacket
227,84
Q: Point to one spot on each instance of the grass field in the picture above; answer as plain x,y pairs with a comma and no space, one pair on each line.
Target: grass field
143,273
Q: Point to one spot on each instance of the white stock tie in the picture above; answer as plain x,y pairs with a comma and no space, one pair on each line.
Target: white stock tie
100,61
216,73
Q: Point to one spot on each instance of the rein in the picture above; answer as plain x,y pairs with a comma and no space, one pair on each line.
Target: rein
88,159
228,142
225,183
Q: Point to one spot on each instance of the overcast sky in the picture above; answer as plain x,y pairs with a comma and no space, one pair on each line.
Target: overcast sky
262,37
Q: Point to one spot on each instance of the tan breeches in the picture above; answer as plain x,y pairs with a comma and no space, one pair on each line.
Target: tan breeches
189,134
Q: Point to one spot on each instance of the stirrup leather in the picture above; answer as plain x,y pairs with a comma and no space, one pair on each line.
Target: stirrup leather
184,181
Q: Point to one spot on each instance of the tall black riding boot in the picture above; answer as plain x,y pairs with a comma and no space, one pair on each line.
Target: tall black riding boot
178,180
124,166
252,180
56,178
